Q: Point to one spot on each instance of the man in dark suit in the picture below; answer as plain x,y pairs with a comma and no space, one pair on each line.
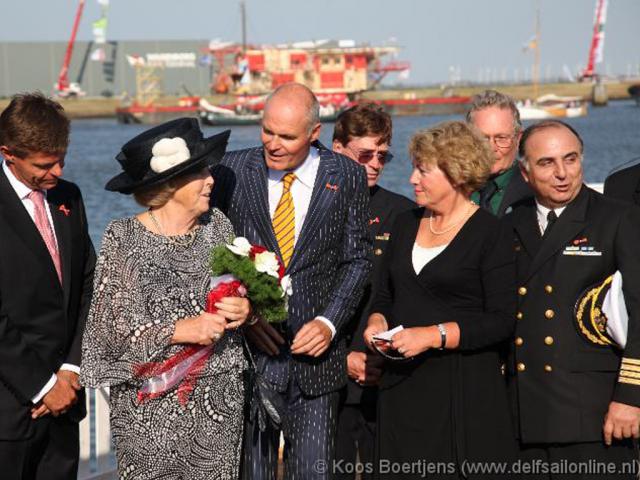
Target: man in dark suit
496,116
575,398
363,133
310,206
46,275
624,184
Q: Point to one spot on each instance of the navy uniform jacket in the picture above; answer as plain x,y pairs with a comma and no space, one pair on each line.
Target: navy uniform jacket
562,382
330,262
41,321
385,206
624,184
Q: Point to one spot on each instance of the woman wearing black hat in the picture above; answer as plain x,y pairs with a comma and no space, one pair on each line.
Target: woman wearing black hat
150,284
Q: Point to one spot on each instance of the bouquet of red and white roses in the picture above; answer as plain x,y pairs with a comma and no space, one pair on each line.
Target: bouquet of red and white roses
259,271
238,270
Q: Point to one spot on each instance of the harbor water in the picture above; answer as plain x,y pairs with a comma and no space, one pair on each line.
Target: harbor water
611,135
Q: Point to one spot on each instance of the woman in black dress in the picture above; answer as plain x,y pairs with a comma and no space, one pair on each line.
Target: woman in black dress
449,279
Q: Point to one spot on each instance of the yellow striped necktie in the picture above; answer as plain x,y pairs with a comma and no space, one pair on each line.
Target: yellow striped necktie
284,220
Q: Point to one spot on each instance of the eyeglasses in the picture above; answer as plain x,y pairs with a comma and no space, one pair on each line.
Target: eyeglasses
501,141
365,156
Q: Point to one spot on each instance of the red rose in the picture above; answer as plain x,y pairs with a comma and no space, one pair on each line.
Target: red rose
256,249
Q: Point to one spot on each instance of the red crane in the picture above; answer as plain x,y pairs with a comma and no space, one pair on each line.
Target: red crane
63,87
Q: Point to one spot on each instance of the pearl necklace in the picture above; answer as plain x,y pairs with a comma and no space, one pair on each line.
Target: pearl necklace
187,243
453,225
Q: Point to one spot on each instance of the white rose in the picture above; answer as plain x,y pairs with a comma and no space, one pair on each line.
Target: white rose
267,262
287,285
240,246
167,153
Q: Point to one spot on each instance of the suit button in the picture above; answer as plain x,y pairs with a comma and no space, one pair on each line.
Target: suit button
378,251
519,315
548,368
548,340
519,341
548,289
521,367
522,291
549,314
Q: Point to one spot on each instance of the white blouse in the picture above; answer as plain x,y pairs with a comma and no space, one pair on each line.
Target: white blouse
420,256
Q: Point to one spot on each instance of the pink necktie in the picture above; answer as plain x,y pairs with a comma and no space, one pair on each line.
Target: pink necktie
44,227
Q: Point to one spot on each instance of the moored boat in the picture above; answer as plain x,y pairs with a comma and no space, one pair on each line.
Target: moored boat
552,106
231,115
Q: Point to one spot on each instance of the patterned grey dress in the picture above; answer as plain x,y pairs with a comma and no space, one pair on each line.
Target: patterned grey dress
143,284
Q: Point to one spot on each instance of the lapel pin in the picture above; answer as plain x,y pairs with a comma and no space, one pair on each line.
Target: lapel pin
64,210
578,241
328,186
374,220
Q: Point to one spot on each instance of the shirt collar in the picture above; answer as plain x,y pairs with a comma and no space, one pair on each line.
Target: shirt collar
20,188
544,211
305,172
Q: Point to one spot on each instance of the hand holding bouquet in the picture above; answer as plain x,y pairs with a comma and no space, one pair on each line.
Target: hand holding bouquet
238,270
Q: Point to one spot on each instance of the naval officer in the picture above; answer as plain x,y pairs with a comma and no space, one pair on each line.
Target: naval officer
576,397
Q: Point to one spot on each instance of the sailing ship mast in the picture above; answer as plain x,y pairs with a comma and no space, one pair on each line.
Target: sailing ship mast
596,50
536,62
243,16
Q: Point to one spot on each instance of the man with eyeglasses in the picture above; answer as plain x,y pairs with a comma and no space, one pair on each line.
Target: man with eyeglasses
498,119
363,133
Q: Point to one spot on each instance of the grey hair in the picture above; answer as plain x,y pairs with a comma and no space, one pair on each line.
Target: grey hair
313,112
493,98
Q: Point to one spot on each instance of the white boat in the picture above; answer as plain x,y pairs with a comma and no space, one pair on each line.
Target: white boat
552,106
213,115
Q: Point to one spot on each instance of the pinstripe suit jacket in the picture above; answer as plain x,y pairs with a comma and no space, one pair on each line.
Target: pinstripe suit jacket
330,261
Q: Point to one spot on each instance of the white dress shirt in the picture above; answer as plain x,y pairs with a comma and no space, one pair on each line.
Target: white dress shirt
301,188
23,193
542,212
301,191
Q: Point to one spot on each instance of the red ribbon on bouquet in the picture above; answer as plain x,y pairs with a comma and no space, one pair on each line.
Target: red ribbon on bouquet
184,367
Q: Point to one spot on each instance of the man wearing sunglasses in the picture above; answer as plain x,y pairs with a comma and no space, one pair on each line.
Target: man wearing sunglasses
498,119
363,133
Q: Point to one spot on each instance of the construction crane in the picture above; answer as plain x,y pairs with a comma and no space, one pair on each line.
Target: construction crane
63,88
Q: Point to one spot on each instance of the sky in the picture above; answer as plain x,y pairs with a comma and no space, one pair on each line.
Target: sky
476,40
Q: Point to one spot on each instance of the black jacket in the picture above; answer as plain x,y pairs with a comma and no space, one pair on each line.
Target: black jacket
561,382
41,321
385,206
516,192
624,184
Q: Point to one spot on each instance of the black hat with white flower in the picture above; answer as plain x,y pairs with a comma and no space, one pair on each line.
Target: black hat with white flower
164,152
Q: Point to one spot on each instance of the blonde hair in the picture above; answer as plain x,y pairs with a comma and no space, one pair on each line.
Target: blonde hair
156,196
458,149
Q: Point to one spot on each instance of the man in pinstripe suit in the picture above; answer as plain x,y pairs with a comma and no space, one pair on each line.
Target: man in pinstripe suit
309,205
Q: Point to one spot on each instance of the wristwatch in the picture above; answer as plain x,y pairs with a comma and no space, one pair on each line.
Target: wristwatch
443,336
